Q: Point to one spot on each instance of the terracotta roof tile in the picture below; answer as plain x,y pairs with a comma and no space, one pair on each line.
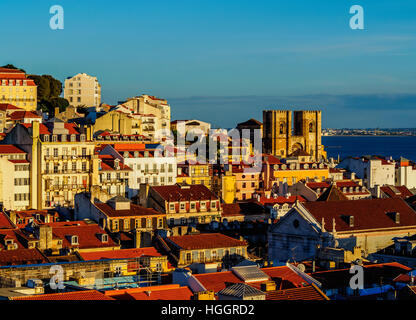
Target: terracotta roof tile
175,193
73,296
135,211
205,241
368,214
120,254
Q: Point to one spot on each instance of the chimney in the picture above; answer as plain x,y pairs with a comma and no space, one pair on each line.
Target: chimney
137,239
12,216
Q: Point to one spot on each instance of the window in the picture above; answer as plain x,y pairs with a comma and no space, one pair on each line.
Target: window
213,205
74,240
55,152
171,207
214,254
183,206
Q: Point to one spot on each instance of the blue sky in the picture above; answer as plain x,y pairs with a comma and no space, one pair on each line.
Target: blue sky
226,61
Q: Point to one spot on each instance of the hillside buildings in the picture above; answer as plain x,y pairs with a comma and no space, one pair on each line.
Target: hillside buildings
368,225
17,89
283,140
82,90
372,170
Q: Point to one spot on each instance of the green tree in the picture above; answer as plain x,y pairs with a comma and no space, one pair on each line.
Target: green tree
60,103
10,66
49,91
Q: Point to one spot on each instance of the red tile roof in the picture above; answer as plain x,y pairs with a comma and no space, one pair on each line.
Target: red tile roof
129,146
163,292
48,129
73,296
7,106
135,211
317,185
175,193
205,241
283,275
20,115
88,235
21,256
311,292
368,214
372,273
270,159
281,200
397,191
5,222
8,148
120,254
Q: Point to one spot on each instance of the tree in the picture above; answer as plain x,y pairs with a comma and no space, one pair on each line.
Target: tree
49,90
60,103
10,66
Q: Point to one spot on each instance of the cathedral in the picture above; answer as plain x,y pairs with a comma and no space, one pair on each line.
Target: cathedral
302,138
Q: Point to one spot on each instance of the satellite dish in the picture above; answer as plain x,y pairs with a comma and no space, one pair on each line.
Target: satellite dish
301,267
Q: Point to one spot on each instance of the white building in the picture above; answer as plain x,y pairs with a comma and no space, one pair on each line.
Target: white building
82,89
146,167
372,170
406,174
14,178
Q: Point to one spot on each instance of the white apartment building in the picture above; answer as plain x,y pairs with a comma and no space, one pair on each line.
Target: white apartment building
406,174
82,89
146,168
372,170
14,178
150,105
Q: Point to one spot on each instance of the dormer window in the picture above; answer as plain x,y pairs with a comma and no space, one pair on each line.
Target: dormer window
74,240
104,237
54,138
126,154
46,137
136,154
82,137
63,138
395,216
213,205
73,138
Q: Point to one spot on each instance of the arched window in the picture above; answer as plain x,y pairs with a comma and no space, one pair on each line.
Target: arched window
311,127
282,128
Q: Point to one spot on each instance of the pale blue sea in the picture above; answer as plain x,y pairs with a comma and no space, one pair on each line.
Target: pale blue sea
395,146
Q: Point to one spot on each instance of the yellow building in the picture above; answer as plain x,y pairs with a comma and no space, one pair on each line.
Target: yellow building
280,139
62,161
194,174
17,89
290,173
150,105
229,190
82,89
